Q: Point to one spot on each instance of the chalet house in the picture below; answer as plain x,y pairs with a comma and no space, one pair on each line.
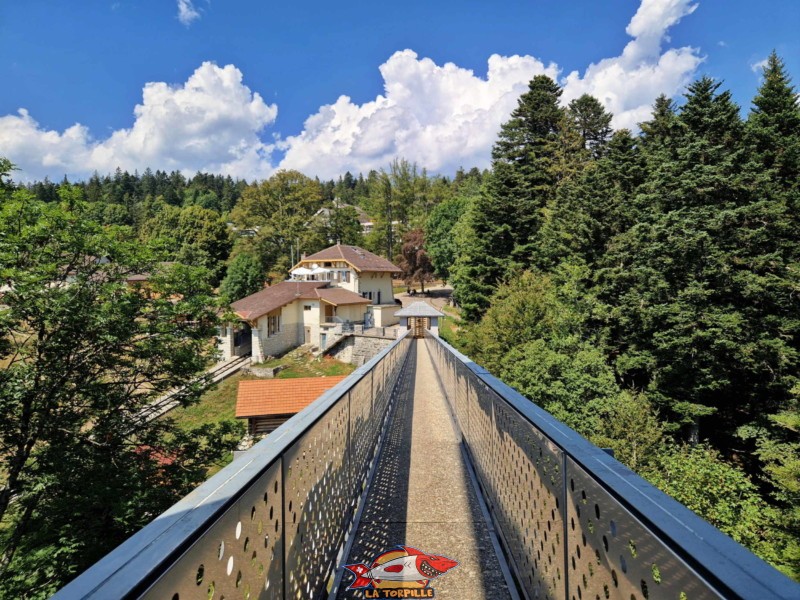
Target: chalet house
334,288
268,403
323,216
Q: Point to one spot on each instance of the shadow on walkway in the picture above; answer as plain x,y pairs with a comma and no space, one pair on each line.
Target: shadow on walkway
422,497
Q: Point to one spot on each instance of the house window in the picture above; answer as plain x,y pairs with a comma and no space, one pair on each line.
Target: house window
273,325
367,295
346,276
306,307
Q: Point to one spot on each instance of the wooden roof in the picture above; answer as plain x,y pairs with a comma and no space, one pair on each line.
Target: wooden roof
258,304
358,258
268,397
335,296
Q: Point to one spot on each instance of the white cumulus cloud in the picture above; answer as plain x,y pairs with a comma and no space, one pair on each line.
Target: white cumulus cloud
758,66
187,13
628,84
445,116
440,116
212,123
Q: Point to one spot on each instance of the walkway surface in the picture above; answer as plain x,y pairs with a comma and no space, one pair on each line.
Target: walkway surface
422,496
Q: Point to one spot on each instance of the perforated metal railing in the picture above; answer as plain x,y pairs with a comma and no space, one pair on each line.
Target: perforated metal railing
269,525
574,522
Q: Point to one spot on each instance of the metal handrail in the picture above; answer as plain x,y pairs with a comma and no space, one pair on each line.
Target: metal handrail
271,502
612,534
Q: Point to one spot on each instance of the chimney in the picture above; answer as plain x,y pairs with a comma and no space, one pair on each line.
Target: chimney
303,256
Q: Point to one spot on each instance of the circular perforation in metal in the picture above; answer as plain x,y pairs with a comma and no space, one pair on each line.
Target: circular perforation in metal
226,561
613,555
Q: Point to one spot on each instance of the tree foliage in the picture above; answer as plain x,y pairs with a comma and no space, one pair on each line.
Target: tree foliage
245,276
81,351
414,259
644,289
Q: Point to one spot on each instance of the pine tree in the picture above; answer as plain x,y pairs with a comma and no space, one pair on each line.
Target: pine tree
774,125
592,121
502,226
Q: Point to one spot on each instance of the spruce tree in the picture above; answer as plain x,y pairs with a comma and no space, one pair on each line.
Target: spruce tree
773,125
592,121
503,223
676,329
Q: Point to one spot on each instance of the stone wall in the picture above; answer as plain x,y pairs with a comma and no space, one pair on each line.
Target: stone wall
357,349
264,372
289,337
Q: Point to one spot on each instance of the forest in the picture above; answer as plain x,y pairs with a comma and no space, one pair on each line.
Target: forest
643,287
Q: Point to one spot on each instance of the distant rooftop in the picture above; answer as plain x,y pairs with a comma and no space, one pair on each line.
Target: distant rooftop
360,259
418,309
271,298
267,397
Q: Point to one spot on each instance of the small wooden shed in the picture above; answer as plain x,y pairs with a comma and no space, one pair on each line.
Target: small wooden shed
268,403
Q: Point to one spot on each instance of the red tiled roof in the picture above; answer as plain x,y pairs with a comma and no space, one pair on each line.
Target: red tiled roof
268,299
265,397
362,260
335,296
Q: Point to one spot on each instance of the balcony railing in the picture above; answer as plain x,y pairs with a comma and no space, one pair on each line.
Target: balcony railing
270,524
575,522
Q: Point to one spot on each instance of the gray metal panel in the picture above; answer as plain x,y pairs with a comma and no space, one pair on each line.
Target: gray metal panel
460,392
613,555
318,499
241,555
150,554
481,439
529,504
704,562
363,431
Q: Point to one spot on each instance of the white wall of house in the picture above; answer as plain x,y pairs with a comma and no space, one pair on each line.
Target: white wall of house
351,312
377,286
384,315
282,336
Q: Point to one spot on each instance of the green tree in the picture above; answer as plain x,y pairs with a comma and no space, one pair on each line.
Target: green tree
280,209
439,228
343,227
592,121
504,222
773,125
81,353
245,276
679,332
192,235
723,495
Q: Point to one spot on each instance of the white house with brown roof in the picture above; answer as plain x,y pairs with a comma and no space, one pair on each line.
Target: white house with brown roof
359,271
338,286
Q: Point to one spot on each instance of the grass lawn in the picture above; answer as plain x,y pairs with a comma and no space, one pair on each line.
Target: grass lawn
452,311
325,367
218,403
448,330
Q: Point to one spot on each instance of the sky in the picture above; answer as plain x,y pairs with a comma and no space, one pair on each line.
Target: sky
247,87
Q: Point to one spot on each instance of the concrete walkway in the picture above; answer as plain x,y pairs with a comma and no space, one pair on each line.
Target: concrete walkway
422,496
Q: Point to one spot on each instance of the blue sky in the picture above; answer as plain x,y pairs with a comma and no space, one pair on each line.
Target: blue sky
246,87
